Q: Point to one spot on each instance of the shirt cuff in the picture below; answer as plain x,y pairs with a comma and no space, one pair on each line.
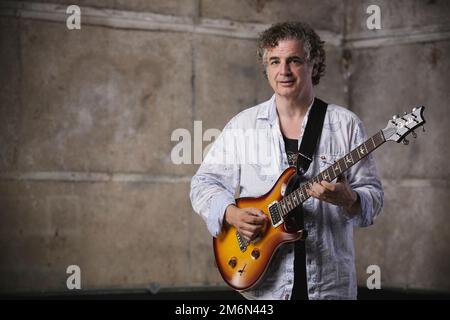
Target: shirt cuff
219,203
363,218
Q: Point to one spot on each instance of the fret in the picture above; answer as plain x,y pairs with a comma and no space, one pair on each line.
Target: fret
293,199
356,155
336,168
283,205
319,177
342,163
298,197
369,146
326,175
362,150
348,159
373,142
303,195
380,138
288,203
332,176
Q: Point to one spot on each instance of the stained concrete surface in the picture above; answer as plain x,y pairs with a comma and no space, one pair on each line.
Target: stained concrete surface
103,102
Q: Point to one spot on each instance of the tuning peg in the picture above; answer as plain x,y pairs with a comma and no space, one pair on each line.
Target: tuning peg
414,134
405,142
414,109
395,117
423,129
405,113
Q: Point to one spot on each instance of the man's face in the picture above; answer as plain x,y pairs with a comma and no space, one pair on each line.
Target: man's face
288,72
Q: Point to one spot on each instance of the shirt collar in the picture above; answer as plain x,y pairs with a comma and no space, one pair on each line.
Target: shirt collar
269,110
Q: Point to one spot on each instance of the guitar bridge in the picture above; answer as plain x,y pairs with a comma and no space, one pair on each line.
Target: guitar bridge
242,242
275,215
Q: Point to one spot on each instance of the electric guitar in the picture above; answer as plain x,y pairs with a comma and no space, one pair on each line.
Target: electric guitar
242,264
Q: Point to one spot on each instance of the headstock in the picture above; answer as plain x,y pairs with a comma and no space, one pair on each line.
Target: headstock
399,127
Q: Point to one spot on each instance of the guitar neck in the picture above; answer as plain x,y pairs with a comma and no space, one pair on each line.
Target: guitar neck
298,196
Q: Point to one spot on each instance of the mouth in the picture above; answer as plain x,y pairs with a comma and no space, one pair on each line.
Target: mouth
287,83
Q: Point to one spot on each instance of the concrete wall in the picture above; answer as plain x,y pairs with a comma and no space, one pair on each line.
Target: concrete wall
86,116
405,64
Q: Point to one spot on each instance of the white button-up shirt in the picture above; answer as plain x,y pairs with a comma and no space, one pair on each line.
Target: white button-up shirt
247,159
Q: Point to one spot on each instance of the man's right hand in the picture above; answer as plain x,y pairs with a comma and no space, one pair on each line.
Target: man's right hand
248,221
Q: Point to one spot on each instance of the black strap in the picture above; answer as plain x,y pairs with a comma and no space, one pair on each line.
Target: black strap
311,135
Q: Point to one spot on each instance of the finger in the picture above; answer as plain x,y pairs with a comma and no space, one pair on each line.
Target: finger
319,192
253,220
246,234
250,227
328,186
257,213
318,189
313,193
250,235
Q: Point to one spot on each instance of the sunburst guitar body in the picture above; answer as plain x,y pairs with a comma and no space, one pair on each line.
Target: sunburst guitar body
243,264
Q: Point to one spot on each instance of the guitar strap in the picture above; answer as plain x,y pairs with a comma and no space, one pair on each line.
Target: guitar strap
294,220
311,135
313,129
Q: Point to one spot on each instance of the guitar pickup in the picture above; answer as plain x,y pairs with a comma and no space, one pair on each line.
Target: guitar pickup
275,214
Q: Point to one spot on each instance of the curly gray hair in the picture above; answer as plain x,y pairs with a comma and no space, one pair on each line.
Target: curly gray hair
312,44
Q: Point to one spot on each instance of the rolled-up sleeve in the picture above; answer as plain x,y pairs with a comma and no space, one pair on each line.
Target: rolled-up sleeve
213,186
363,178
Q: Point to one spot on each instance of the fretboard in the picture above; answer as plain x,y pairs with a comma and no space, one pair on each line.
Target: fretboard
299,195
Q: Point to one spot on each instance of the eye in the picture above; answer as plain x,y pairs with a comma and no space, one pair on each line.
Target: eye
274,62
297,61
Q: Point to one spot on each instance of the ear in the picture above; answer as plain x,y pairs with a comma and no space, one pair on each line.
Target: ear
314,70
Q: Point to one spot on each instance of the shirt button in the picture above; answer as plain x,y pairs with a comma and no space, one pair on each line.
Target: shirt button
286,297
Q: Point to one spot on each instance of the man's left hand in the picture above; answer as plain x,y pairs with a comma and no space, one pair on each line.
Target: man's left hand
339,193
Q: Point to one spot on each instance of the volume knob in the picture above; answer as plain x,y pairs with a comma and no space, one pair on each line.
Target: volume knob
255,253
232,262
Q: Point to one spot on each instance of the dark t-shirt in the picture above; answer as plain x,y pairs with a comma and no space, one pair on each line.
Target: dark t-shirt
300,290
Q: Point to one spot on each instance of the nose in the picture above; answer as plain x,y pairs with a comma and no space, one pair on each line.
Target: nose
285,68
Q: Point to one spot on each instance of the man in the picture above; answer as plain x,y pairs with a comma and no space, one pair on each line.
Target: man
322,266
